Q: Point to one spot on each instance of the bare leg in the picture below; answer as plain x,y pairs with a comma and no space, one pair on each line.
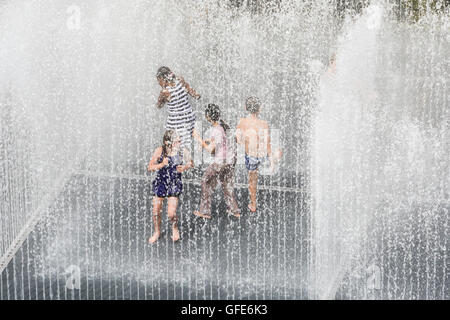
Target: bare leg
252,186
172,213
201,215
157,205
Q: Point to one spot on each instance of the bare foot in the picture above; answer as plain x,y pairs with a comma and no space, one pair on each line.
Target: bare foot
237,215
154,237
201,215
252,207
175,234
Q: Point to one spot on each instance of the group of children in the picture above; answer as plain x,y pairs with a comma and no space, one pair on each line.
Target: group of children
173,158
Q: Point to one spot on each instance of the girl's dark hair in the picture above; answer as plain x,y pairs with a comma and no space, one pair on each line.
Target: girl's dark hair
165,74
212,111
168,139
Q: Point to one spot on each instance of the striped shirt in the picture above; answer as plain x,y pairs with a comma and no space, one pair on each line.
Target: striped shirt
181,116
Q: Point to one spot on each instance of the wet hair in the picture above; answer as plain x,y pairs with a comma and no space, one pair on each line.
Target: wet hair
212,111
252,105
333,57
164,73
168,140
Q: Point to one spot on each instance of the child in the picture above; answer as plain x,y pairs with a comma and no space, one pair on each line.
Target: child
223,166
168,161
175,92
253,133
332,64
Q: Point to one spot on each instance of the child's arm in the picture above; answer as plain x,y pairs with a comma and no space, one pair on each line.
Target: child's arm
189,163
190,90
207,144
269,145
154,165
269,149
239,134
164,97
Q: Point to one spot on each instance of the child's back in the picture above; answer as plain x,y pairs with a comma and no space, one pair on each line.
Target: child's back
254,134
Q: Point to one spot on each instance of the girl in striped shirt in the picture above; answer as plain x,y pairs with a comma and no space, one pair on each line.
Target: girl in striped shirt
174,93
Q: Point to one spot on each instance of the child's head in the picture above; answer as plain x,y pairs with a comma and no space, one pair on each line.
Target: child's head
252,105
171,139
332,62
212,114
164,76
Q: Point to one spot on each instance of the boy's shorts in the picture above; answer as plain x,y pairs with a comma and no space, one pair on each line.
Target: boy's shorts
253,163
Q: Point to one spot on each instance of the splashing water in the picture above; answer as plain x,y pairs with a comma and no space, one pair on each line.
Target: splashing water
381,160
358,209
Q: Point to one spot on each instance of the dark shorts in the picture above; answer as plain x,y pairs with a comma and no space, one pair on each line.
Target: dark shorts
253,163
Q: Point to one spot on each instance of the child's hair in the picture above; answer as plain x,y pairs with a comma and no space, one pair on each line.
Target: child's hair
332,58
165,74
168,140
212,111
252,105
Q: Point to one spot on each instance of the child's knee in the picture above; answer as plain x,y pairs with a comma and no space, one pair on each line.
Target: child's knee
172,216
171,211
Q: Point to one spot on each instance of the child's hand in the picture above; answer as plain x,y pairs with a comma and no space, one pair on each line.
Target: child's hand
197,96
195,135
278,154
165,162
272,166
182,168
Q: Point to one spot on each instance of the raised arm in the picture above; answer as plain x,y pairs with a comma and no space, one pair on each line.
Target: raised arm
189,89
164,96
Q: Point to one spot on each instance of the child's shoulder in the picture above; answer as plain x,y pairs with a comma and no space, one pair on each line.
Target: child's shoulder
264,123
158,151
242,122
165,92
257,123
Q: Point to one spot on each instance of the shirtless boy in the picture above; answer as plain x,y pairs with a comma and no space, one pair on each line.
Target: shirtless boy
253,133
